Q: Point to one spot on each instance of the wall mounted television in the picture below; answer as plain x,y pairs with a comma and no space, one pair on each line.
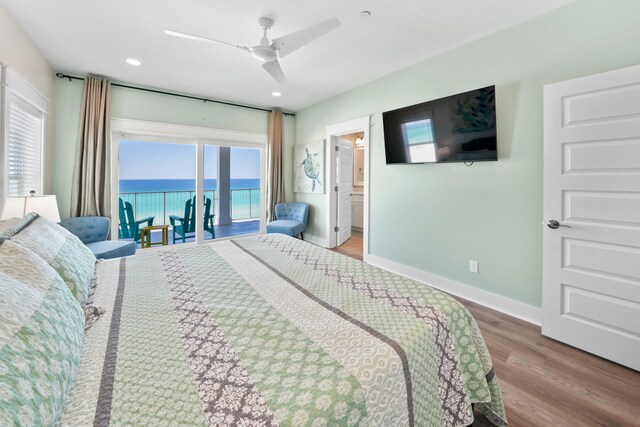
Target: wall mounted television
458,128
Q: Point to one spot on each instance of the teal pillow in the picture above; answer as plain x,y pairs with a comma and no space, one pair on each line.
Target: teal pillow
6,225
63,251
41,332
11,226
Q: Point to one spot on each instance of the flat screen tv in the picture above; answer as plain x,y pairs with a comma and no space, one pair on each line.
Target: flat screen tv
458,128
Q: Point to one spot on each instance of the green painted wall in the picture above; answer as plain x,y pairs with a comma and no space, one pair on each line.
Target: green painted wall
438,217
136,105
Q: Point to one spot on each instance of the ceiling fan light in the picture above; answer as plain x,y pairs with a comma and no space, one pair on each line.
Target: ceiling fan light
256,56
263,53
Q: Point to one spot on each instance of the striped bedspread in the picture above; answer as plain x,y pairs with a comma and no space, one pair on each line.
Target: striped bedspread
271,330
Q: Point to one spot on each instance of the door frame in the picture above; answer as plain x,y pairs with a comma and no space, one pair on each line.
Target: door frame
183,134
359,125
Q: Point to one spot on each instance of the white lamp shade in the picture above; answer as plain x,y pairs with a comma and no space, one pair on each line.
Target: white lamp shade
45,206
13,208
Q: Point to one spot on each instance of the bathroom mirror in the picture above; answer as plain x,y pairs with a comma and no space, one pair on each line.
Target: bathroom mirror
358,167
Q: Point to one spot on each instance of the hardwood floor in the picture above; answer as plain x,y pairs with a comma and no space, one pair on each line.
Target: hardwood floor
352,247
547,383
544,382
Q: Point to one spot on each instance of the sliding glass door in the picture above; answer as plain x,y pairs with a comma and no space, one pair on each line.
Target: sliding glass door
192,191
157,185
232,182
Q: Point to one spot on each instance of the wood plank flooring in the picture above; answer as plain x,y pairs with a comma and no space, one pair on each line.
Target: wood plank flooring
352,247
544,382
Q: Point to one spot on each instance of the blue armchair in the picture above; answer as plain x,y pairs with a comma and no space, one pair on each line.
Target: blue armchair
291,219
93,232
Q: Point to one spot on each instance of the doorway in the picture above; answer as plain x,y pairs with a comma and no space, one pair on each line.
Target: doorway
348,184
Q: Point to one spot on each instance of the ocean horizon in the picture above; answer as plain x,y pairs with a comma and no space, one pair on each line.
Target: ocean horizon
168,185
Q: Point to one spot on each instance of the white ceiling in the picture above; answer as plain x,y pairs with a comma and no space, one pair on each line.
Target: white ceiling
92,36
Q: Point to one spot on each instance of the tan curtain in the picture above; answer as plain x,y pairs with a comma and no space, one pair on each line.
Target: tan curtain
275,180
92,173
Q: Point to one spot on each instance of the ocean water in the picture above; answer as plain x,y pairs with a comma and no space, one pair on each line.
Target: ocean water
162,198
161,185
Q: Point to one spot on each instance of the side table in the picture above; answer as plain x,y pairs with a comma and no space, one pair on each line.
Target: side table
145,236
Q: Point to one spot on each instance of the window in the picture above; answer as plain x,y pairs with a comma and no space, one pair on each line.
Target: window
24,159
418,136
23,124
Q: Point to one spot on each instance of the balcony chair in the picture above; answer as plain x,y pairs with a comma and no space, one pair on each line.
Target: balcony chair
208,217
187,224
129,228
93,232
291,219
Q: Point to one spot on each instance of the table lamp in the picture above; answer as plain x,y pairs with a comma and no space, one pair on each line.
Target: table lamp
45,206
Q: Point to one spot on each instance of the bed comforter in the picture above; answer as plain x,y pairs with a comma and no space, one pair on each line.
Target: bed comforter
271,330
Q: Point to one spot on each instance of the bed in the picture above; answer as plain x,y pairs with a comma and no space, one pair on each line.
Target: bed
271,330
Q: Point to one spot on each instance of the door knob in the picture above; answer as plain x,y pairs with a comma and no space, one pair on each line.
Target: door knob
553,224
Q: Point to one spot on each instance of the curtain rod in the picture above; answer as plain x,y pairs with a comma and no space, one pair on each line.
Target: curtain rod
162,92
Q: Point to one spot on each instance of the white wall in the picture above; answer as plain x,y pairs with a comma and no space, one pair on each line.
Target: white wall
18,52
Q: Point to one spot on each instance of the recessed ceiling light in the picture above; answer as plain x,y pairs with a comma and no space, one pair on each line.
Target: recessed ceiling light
365,14
276,94
134,62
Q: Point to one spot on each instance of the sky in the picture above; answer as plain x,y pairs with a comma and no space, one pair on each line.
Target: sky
159,160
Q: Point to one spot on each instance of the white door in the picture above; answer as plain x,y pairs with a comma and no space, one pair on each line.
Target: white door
591,237
345,180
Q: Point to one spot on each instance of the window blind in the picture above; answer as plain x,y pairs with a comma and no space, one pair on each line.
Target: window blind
24,160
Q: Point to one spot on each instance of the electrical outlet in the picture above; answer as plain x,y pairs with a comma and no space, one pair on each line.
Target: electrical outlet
473,266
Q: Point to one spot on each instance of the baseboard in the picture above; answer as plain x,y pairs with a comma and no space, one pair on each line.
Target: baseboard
514,308
315,240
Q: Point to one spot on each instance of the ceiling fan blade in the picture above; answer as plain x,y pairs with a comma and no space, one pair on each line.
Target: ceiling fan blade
201,39
289,43
273,68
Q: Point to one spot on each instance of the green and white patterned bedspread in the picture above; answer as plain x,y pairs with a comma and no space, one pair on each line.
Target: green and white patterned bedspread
271,330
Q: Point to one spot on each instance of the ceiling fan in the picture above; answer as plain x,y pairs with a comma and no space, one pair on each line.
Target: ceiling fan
269,51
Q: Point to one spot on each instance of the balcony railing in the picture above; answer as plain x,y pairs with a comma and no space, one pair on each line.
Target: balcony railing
245,204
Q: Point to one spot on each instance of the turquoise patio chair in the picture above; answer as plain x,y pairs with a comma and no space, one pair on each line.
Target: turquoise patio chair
208,218
129,228
185,226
